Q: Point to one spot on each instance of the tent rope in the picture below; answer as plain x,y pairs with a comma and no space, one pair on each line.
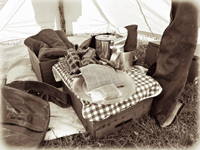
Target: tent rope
145,18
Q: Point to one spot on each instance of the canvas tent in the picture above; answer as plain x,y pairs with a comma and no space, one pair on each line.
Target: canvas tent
20,19
23,18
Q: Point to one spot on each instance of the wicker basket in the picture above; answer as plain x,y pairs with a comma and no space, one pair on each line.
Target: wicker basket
113,123
43,70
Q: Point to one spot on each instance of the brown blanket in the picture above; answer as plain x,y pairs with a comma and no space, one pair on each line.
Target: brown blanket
49,44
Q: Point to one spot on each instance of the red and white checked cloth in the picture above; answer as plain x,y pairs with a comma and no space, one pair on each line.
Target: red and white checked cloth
146,87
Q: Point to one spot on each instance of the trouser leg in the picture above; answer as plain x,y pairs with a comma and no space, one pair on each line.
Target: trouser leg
177,47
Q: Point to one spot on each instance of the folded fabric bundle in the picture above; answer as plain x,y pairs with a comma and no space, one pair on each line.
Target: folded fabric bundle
73,60
88,57
106,92
87,61
62,61
96,75
46,54
64,38
64,65
49,44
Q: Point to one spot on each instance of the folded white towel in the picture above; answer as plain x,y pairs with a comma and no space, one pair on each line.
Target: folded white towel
107,92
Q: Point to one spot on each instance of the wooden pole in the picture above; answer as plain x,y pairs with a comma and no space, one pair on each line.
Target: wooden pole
62,17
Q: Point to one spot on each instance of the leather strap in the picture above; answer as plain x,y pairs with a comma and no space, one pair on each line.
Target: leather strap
14,120
56,96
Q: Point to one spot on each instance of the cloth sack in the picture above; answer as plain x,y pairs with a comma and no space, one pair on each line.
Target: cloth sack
26,112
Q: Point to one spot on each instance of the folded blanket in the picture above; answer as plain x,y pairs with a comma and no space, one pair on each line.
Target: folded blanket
46,54
49,44
98,75
64,38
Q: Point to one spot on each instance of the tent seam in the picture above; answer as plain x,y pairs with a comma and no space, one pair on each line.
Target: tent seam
145,18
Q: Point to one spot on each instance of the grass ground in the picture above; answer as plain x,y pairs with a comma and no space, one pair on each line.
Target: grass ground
145,133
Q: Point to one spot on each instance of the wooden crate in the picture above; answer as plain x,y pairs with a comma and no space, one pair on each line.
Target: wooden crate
152,52
151,57
113,123
43,70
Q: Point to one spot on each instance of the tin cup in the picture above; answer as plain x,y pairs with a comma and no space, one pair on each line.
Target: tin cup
126,60
123,60
103,46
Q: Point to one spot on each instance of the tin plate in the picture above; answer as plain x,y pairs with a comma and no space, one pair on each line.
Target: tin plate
80,89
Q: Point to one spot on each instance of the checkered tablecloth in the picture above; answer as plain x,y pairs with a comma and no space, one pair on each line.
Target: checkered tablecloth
146,87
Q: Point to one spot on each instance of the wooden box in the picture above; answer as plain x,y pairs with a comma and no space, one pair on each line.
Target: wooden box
152,52
43,70
151,57
113,123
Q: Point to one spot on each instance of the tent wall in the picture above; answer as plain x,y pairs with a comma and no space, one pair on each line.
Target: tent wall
72,10
2,3
151,16
23,18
